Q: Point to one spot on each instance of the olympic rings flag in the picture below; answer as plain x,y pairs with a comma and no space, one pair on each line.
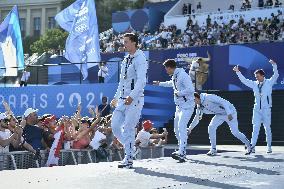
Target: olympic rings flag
82,44
11,48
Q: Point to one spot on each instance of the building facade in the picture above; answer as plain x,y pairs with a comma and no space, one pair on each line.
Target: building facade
36,16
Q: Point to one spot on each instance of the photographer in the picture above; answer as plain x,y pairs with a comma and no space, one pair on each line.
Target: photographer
103,72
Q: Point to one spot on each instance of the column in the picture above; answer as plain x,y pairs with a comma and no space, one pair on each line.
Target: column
28,23
43,20
58,9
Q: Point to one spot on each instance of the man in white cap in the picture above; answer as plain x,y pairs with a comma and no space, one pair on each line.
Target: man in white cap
32,133
224,111
262,89
184,100
129,98
6,137
145,138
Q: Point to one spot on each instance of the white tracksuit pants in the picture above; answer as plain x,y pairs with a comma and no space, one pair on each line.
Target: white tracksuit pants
217,120
261,116
182,117
124,120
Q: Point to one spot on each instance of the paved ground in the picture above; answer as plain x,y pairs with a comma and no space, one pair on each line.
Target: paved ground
230,170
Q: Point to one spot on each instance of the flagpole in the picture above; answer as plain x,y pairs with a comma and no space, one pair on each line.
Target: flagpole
118,67
36,75
81,73
5,78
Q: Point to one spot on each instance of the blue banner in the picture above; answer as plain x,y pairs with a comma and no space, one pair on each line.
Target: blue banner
11,48
63,100
82,44
58,100
223,58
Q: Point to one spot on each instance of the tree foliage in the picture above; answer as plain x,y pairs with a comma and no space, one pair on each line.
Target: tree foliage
53,40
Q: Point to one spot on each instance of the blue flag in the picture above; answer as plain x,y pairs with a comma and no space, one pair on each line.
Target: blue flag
82,44
11,48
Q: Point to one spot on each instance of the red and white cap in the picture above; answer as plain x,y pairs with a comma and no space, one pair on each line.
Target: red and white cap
147,125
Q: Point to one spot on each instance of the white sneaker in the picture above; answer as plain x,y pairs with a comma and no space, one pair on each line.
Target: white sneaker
269,150
253,149
175,155
212,152
248,150
126,163
175,152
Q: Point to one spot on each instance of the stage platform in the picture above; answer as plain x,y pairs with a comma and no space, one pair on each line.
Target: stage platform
228,170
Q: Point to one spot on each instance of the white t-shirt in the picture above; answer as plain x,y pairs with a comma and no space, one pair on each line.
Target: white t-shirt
185,38
169,36
4,135
235,26
95,143
25,76
103,72
158,45
164,34
144,138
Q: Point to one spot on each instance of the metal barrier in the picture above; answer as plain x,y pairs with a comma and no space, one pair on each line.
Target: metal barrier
149,152
25,160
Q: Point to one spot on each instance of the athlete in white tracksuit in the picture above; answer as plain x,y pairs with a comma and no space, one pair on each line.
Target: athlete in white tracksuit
129,100
184,100
223,111
262,89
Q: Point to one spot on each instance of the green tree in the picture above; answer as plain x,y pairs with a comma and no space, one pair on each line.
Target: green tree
52,40
27,42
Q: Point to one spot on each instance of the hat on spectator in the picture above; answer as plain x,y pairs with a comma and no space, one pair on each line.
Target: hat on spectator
147,125
45,116
49,119
41,118
3,116
30,111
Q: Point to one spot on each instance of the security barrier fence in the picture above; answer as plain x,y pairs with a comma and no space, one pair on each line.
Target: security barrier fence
25,160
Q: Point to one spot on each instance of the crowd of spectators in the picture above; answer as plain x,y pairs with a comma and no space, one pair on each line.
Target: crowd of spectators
208,33
188,9
33,133
269,3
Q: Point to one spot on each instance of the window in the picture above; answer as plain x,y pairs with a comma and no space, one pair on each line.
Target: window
37,26
23,26
51,23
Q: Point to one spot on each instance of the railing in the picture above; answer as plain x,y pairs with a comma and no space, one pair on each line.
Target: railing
224,11
40,76
25,160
